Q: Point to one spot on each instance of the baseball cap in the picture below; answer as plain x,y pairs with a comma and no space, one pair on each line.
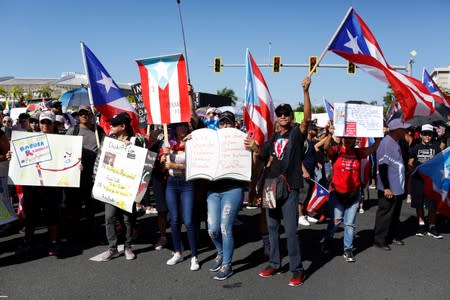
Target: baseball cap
427,127
56,104
60,119
284,108
119,119
228,116
398,124
85,108
47,115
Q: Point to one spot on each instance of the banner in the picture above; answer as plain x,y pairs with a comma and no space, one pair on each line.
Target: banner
358,120
45,159
119,173
7,213
140,107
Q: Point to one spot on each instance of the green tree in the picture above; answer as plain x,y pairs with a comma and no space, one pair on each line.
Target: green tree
3,92
299,107
226,92
387,99
45,92
16,92
319,109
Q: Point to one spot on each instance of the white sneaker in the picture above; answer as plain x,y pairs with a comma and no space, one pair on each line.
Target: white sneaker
302,221
311,219
194,264
361,210
408,198
176,258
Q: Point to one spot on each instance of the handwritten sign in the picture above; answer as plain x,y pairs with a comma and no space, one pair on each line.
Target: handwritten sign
45,159
119,173
215,155
140,107
358,120
7,213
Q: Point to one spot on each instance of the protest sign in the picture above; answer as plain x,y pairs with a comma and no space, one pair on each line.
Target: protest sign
358,120
7,213
45,159
215,155
119,173
140,107
146,175
16,111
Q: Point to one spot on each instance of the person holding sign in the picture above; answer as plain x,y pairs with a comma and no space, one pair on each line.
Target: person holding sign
120,128
179,194
345,189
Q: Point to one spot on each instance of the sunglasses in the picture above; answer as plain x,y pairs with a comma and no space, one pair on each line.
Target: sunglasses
84,113
223,123
283,113
46,122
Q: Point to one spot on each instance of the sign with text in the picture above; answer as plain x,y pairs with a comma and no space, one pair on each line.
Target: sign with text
140,107
215,155
119,173
45,159
358,120
7,213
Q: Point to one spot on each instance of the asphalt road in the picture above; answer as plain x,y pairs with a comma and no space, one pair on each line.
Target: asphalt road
418,270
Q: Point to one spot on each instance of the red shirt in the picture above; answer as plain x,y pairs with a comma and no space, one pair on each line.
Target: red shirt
346,170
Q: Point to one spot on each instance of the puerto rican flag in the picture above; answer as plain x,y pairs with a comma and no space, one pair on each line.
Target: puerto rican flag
259,110
319,196
434,89
104,93
330,109
165,89
436,176
355,42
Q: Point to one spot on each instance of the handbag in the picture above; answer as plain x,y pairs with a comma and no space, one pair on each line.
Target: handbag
275,190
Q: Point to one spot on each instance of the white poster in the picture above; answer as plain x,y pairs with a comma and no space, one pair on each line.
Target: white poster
217,154
45,159
7,213
119,173
358,120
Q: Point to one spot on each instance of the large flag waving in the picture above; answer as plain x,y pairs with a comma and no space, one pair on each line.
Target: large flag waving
434,89
330,109
436,176
105,94
164,89
259,111
355,42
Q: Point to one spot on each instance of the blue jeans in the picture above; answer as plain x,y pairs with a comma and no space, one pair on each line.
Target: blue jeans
343,213
288,212
180,195
222,210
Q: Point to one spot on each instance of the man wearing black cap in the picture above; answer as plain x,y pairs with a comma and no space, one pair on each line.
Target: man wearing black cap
286,149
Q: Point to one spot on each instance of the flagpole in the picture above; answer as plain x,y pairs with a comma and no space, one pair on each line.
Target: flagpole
184,42
91,101
331,41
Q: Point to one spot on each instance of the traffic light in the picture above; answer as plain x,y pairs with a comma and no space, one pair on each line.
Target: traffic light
276,64
351,68
217,64
312,63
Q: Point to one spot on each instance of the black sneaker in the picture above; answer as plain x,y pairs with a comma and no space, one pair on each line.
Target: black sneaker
224,272
326,247
217,263
421,231
348,255
434,233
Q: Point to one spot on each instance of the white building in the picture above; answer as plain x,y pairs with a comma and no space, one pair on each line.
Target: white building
442,77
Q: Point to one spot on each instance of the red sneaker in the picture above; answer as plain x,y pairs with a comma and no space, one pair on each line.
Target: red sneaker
268,272
297,279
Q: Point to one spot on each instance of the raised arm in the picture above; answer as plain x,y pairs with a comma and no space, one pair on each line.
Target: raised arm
306,105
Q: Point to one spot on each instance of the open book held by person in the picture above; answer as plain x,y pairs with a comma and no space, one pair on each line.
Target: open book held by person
215,155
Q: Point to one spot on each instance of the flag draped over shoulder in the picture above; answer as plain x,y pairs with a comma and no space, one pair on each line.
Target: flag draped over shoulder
436,177
355,42
434,89
319,196
106,95
259,110
330,110
164,89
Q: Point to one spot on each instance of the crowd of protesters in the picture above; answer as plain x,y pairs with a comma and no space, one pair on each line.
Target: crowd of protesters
304,153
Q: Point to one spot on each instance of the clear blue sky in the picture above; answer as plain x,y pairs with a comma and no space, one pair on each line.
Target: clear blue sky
41,39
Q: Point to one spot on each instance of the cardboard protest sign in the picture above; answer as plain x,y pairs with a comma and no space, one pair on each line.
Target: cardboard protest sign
140,107
217,154
45,159
358,120
119,174
7,213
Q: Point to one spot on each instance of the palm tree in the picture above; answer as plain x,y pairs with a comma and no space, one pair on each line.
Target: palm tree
226,92
45,92
16,92
3,92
